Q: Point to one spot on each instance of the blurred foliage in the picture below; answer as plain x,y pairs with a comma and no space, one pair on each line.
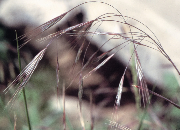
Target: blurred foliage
1,33
171,84
3,45
3,51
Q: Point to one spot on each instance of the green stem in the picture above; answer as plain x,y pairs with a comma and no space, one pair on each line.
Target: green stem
23,90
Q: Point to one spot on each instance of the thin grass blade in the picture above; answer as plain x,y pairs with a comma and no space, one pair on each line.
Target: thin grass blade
57,80
80,93
64,110
15,121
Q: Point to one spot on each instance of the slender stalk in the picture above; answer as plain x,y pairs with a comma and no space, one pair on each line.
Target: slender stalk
23,90
64,111
15,119
80,93
134,78
145,112
91,110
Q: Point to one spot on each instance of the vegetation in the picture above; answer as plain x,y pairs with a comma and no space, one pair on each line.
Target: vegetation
162,113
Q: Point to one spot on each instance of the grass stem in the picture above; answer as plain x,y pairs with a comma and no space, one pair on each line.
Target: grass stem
134,79
23,90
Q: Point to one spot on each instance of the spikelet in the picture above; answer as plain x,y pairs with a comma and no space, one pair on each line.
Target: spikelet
141,81
22,79
32,34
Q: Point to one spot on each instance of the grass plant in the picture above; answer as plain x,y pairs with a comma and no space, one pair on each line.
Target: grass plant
135,37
